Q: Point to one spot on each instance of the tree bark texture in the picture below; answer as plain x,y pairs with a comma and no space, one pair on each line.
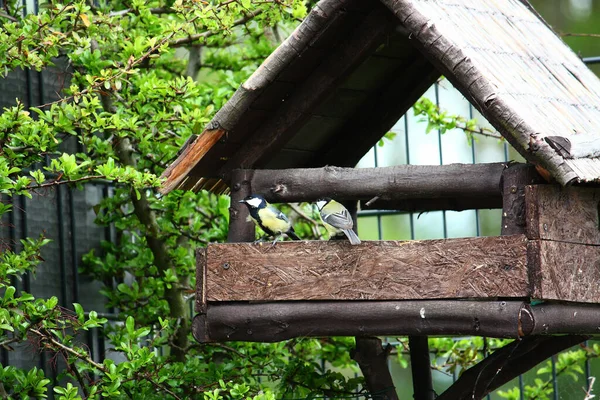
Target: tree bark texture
398,183
276,321
240,229
505,364
372,360
420,364
514,179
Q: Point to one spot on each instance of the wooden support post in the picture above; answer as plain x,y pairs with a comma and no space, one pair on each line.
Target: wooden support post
372,360
513,182
370,356
240,229
421,368
200,301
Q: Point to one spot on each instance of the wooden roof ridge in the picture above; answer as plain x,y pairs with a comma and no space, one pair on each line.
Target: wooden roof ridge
224,120
504,58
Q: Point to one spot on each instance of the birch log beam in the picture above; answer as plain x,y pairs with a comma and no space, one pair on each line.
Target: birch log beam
276,321
453,186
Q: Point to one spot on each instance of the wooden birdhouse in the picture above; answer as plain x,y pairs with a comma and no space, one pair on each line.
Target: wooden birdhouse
294,130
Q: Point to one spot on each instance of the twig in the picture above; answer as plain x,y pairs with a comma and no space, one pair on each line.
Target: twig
373,200
8,341
86,392
590,389
9,17
155,10
301,213
57,182
315,225
231,349
595,35
193,38
69,350
96,365
480,131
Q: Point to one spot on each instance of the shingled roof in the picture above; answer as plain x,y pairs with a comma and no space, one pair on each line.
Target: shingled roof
354,67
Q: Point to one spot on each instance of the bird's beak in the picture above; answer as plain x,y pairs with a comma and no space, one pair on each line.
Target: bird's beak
242,201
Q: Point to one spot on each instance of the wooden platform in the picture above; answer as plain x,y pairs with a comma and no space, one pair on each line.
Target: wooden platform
377,270
261,292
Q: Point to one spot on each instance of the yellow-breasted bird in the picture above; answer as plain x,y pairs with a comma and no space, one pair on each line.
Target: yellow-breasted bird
269,218
336,215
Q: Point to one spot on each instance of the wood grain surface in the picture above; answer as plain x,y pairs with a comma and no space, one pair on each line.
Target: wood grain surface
563,214
564,271
320,270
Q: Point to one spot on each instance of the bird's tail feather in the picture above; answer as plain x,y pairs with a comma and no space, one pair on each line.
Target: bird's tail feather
352,237
292,234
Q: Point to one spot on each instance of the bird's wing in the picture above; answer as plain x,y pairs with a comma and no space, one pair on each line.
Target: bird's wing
340,220
279,214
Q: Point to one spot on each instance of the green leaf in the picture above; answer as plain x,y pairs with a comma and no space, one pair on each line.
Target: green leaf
9,293
79,311
130,324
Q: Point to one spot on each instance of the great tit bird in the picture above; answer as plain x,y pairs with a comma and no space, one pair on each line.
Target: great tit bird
336,215
269,218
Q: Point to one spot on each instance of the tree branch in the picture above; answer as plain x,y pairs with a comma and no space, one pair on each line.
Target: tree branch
147,216
315,225
372,360
194,38
566,34
507,363
96,365
9,17
99,86
63,182
155,11
69,350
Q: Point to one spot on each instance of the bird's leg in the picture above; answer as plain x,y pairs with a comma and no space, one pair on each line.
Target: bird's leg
259,240
275,241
